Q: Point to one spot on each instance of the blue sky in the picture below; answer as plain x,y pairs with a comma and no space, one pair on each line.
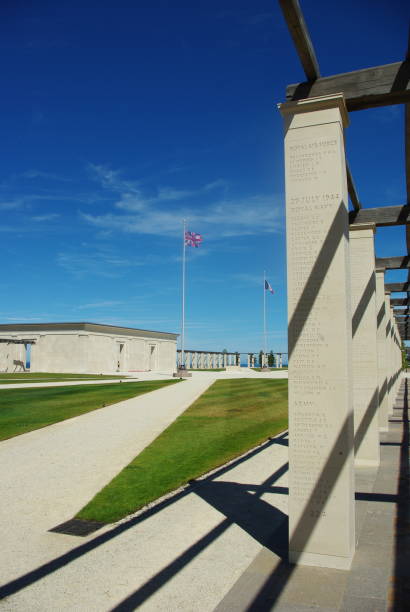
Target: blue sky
119,119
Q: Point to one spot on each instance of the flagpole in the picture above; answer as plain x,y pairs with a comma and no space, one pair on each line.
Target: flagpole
183,297
264,311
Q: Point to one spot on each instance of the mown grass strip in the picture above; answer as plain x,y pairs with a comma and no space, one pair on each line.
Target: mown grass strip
11,378
22,410
228,419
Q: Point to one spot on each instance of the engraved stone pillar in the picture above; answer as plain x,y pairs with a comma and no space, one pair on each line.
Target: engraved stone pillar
381,318
321,461
364,350
388,353
393,357
392,365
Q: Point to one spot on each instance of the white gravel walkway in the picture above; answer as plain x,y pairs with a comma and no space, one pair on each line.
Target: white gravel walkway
49,474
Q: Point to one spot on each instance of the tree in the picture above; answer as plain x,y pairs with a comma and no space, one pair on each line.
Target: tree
270,359
260,358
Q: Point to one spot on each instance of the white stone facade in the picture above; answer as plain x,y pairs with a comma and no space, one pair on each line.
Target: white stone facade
87,348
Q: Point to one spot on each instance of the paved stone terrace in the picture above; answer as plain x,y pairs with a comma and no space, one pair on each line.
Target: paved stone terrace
379,578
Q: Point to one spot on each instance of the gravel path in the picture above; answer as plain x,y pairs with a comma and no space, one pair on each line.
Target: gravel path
49,474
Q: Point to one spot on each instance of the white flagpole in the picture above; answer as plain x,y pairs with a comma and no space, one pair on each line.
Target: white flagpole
183,297
264,312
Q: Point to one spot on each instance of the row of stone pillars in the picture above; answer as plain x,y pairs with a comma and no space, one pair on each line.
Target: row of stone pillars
344,345
207,360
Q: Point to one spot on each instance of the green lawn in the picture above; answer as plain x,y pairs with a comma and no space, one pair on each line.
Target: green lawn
23,410
11,378
228,419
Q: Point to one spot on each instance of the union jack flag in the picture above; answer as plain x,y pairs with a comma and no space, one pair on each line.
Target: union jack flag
193,239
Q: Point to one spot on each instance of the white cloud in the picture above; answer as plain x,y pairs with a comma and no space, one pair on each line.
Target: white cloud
162,213
224,219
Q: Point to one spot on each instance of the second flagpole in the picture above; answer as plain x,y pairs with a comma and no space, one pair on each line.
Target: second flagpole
264,317
183,296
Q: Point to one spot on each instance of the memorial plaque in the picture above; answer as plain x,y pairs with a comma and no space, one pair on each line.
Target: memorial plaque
321,478
364,358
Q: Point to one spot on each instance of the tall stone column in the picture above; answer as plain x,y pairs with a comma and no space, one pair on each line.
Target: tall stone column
388,353
364,352
321,459
382,364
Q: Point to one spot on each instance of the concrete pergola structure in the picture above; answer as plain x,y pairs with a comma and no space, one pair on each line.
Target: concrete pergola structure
344,337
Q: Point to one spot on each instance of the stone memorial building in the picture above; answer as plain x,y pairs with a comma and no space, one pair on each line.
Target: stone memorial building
84,348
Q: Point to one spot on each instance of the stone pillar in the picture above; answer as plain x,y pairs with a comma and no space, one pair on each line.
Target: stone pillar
321,459
364,350
395,355
388,353
381,318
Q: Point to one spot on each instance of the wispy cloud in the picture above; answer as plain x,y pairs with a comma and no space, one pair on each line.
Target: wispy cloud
248,279
40,174
96,262
103,304
49,217
132,196
112,179
246,217
12,204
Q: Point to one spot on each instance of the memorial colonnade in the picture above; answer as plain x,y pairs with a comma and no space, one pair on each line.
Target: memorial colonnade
344,345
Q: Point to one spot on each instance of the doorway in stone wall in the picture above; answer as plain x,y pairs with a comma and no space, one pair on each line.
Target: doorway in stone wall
120,357
27,346
152,357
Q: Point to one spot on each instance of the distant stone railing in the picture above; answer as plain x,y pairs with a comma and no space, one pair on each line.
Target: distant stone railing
214,360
